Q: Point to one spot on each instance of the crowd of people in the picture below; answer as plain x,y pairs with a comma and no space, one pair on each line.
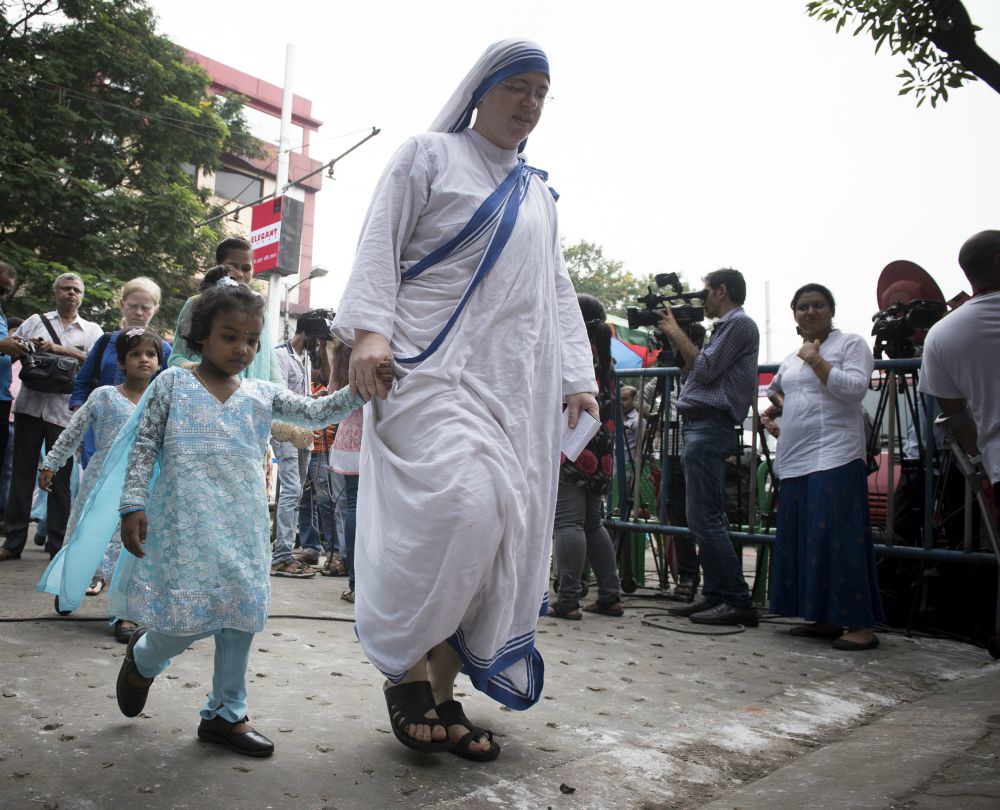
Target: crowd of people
420,455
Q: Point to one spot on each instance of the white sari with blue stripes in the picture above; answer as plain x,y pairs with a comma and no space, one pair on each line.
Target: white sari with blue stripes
459,465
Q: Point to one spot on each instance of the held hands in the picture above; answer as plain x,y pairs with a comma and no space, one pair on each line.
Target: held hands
809,353
45,479
575,403
134,532
13,347
370,371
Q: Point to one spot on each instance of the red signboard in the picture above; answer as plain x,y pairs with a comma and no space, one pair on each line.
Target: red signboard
265,235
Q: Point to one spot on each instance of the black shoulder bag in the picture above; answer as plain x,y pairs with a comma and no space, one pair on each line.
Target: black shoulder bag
48,373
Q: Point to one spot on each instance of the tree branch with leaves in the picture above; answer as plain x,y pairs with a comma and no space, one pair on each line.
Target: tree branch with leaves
937,37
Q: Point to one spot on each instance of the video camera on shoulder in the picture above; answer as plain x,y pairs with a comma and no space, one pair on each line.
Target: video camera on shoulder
317,324
687,307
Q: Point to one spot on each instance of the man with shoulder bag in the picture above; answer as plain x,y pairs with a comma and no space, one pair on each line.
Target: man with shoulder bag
57,340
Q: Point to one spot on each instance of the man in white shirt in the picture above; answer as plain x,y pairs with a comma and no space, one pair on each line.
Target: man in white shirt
960,355
40,417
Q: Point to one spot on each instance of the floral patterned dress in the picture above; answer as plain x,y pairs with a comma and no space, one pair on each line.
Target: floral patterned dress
207,547
106,410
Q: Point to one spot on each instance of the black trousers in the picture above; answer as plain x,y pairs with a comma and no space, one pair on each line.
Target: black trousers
29,434
4,427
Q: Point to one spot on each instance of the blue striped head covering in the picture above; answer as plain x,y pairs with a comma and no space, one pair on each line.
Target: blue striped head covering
500,61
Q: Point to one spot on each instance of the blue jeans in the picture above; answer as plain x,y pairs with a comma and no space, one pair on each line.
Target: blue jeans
579,536
228,698
293,466
707,444
349,511
317,524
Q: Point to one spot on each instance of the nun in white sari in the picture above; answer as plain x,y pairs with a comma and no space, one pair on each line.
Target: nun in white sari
459,275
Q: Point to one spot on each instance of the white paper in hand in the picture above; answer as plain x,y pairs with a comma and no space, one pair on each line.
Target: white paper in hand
573,441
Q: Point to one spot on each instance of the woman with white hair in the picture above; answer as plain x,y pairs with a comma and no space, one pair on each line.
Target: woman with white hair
459,275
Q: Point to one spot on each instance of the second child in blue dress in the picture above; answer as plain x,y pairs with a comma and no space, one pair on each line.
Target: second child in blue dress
198,531
106,410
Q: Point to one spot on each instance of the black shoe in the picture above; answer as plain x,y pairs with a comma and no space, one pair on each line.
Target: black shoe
695,607
39,539
132,688
249,743
124,631
727,614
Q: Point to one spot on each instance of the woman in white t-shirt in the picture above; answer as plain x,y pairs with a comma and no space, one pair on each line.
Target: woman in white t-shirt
824,562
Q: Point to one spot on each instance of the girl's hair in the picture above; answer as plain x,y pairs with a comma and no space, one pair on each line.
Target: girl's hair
128,339
234,296
818,288
141,284
339,365
599,333
212,276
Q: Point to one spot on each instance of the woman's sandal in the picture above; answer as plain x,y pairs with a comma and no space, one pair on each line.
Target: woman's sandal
408,703
573,615
96,586
451,714
335,567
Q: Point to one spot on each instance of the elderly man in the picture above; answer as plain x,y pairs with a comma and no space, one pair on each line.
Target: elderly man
40,417
959,359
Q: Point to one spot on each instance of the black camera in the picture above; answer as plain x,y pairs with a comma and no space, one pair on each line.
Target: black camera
690,310
317,324
898,329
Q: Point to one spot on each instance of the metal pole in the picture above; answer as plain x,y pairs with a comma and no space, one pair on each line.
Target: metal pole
281,181
767,321
890,501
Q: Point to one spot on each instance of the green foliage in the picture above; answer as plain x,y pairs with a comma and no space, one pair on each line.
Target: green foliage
100,116
936,37
602,278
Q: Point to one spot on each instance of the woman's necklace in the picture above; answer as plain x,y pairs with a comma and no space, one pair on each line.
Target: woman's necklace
194,370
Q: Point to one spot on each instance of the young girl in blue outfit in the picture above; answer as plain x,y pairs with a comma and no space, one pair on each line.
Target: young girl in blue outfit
194,512
106,410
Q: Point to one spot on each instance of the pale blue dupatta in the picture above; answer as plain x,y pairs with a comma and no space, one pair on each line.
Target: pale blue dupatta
69,573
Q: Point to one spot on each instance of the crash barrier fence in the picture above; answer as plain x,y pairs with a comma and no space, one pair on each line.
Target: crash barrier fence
895,383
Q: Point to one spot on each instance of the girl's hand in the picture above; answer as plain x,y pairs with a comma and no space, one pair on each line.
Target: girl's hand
384,373
809,353
584,401
370,349
45,480
772,412
134,532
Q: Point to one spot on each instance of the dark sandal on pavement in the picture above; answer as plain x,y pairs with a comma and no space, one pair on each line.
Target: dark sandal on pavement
451,714
248,743
614,609
132,688
96,586
124,630
408,703
573,615
810,631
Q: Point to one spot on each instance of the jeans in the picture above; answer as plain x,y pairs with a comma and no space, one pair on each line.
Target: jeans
349,511
707,444
317,524
293,466
580,536
228,698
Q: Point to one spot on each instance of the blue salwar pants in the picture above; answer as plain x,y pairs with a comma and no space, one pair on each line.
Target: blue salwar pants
228,698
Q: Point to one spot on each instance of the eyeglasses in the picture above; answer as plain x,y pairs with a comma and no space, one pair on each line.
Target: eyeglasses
524,90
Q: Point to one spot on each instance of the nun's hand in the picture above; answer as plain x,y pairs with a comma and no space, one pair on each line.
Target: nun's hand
370,349
575,403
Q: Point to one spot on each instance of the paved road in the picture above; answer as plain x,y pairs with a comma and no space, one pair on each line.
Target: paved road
633,716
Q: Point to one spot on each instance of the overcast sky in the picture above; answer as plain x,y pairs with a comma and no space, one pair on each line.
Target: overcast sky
683,136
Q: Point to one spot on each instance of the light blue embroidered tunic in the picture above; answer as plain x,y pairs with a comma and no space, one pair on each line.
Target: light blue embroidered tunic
106,410
208,541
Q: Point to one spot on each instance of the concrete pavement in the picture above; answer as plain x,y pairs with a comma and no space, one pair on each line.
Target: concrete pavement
637,713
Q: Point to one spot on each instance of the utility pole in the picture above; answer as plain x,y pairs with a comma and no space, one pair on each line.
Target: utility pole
281,181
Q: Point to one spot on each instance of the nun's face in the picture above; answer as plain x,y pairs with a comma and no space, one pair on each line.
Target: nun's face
511,109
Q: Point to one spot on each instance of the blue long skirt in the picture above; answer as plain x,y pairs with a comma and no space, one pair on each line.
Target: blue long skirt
824,562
